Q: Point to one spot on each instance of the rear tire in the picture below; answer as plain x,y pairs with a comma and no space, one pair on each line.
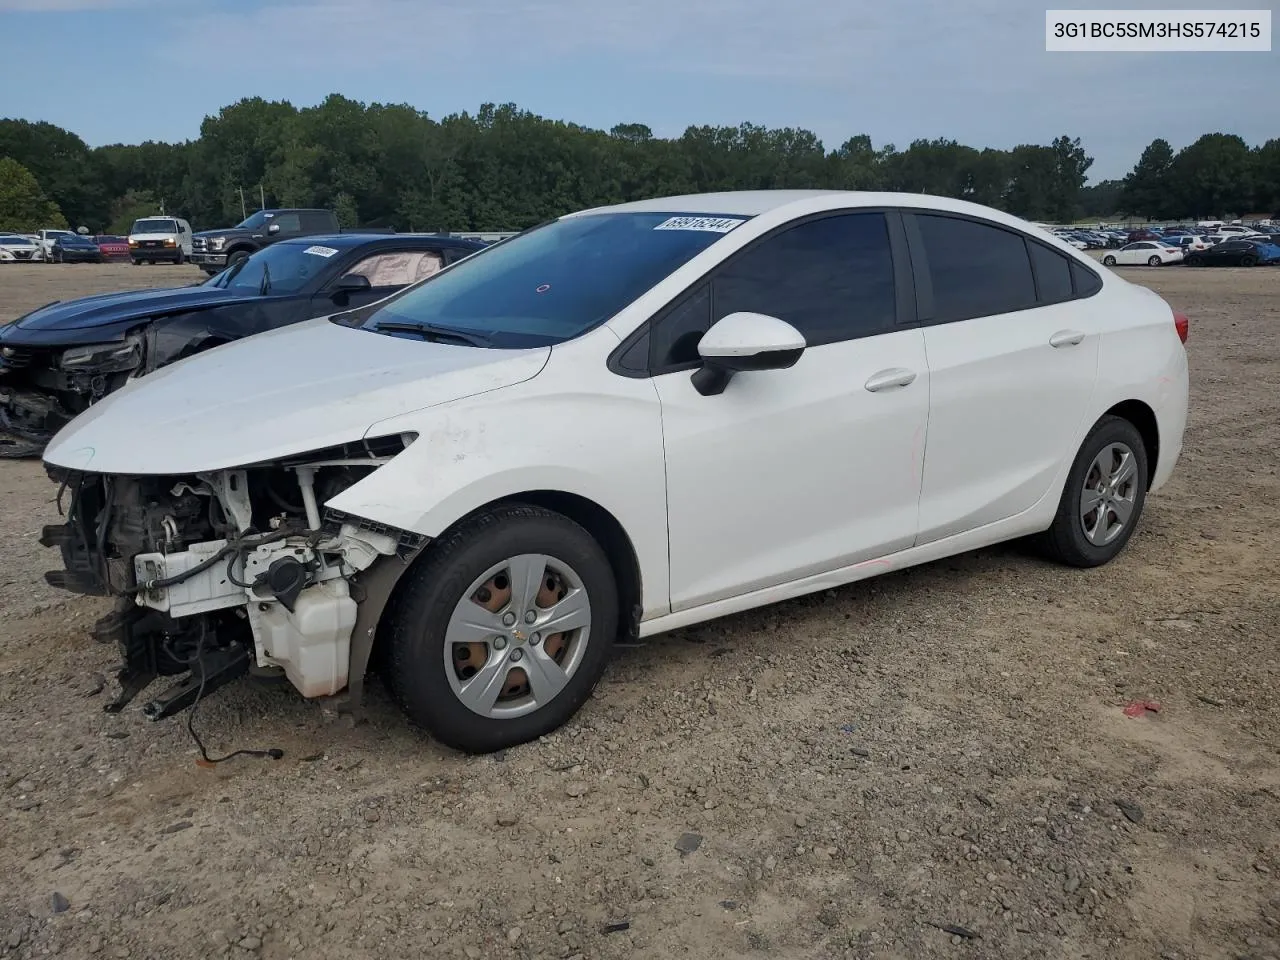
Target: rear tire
429,664
1080,537
1154,261
1248,260
1108,261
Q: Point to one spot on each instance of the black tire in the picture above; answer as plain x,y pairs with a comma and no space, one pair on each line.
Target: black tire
429,593
180,259
1108,261
234,258
1248,260
1065,540
1154,261
1195,260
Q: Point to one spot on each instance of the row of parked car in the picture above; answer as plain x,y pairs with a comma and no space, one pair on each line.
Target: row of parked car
61,246
1227,246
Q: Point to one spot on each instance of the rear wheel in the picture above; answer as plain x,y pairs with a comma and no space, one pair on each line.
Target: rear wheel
1248,260
1109,261
1103,497
502,632
1153,261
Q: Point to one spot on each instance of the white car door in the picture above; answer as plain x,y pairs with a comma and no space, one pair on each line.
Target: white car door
1013,357
793,472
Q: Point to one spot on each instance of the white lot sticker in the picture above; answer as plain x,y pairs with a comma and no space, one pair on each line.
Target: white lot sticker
709,224
321,251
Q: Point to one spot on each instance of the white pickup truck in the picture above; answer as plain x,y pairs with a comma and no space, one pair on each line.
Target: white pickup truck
45,239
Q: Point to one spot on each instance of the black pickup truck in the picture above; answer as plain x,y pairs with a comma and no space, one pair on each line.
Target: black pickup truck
214,250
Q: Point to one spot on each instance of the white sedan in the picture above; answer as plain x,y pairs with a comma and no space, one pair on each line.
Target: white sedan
1147,252
621,422
19,249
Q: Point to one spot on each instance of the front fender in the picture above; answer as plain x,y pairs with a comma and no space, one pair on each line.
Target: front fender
576,428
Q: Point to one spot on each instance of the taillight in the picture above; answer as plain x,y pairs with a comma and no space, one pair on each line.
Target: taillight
1183,326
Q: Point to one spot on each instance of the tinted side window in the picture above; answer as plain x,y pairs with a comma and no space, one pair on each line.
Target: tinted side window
288,222
976,270
1087,283
1053,274
832,279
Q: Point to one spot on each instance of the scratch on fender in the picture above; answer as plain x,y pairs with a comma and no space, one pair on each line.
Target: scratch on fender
881,562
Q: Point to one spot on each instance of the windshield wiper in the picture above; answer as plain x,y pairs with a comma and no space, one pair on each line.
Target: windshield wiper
437,334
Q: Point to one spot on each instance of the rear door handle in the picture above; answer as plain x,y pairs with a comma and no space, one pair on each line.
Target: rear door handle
888,379
1066,338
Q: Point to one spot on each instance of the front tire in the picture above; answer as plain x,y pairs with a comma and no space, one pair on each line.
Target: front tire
1103,498
1108,261
501,632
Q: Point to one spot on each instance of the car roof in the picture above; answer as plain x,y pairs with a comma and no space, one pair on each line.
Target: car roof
750,203
345,241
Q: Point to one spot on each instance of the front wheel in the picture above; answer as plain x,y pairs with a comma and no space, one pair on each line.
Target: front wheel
1109,261
1195,261
501,632
1103,498
237,257
1153,261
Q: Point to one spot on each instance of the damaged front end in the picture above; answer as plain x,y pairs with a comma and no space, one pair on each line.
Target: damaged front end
43,388
217,573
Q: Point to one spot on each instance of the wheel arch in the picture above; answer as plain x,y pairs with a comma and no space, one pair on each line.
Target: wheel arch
1144,420
603,527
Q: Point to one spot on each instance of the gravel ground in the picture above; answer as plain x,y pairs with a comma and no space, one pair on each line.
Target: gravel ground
934,763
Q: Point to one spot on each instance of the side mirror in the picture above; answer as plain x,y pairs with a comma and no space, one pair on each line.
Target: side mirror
352,283
273,229
743,342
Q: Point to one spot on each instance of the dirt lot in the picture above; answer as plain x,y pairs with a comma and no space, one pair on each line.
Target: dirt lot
943,746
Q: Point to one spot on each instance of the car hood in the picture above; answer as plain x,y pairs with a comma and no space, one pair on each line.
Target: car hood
305,387
109,308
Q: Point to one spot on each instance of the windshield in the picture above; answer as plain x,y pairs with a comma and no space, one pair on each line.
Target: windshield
255,220
557,281
154,226
286,267
16,242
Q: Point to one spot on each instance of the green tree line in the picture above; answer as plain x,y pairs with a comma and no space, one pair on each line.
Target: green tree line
507,168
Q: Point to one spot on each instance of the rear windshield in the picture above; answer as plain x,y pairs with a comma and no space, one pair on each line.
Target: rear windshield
557,281
154,226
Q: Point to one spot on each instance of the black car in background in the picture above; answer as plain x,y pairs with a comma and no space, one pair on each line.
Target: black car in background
58,360
1235,253
73,248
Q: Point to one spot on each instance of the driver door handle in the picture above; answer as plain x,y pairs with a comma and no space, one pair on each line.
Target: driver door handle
888,379
1066,338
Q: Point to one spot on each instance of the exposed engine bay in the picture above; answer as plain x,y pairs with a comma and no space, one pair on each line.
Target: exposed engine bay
219,573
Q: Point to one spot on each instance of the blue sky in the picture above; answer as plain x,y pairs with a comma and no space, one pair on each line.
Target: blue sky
972,70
